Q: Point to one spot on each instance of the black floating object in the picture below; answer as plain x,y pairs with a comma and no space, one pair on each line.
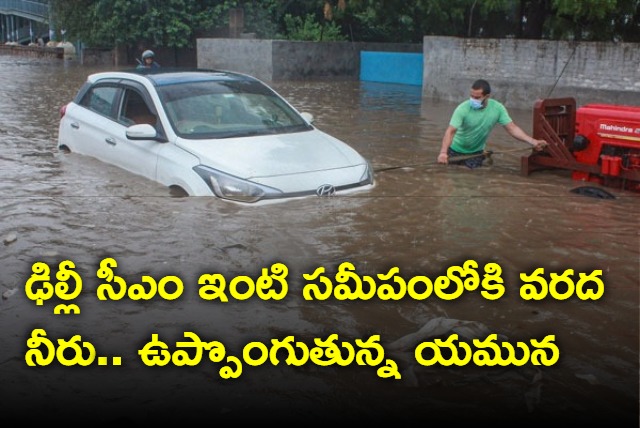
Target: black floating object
594,192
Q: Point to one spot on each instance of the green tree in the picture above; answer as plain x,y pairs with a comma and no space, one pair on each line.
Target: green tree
177,23
548,19
626,24
583,20
308,28
108,23
77,17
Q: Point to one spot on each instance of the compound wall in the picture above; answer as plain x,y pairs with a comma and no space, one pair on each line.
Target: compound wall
290,60
520,71
33,51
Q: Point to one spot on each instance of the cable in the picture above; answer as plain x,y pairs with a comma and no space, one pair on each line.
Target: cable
563,69
486,153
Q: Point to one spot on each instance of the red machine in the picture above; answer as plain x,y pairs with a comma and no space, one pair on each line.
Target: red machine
599,143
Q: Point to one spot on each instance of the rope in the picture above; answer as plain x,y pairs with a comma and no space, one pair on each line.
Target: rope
487,154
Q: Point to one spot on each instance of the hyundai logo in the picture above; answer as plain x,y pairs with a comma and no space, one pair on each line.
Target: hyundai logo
326,190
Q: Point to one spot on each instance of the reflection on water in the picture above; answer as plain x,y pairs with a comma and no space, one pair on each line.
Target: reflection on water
422,218
390,97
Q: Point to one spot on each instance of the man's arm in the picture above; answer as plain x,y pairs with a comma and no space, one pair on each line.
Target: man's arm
516,132
446,143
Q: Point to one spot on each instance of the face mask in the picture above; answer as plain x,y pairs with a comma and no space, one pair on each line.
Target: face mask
475,104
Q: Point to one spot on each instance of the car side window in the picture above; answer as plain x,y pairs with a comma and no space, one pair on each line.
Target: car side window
135,109
101,99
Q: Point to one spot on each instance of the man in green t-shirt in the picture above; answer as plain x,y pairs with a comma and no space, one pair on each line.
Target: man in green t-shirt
471,123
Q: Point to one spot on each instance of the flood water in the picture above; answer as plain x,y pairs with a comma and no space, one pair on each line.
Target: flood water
422,219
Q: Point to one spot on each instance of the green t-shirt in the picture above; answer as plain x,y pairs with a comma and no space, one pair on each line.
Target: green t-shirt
473,126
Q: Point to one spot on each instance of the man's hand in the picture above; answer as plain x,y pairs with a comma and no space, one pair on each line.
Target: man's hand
443,158
539,145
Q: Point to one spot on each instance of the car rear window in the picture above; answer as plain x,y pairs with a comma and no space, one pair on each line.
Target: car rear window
101,99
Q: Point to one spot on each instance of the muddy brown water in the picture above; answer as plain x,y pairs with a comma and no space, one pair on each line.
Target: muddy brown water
422,220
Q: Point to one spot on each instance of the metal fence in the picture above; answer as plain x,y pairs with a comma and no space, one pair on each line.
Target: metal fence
24,21
30,9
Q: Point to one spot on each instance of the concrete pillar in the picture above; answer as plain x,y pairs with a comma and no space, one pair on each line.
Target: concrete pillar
52,29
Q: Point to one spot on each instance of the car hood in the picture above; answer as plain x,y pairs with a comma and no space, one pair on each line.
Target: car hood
263,156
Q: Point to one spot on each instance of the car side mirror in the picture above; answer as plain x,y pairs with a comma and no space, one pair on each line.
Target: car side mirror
143,131
307,116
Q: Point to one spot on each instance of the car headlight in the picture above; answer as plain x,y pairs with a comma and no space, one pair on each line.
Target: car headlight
229,187
367,177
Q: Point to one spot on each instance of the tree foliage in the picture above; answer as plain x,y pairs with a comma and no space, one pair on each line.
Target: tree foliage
177,23
308,28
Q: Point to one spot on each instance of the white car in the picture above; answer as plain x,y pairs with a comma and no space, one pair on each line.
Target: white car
208,133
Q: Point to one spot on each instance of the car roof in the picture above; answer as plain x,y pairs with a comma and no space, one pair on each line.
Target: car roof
170,76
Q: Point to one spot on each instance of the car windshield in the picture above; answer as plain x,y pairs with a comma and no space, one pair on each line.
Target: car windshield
225,109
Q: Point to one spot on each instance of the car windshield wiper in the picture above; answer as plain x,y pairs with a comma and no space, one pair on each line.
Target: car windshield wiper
239,133
294,128
245,133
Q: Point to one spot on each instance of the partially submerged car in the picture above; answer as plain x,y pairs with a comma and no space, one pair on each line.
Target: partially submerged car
208,133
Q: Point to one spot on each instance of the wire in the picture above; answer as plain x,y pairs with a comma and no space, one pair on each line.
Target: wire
562,72
486,153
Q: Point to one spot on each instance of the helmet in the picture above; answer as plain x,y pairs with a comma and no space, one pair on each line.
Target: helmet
148,54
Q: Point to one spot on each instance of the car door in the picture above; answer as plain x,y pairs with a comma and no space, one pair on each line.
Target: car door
138,156
97,126
87,125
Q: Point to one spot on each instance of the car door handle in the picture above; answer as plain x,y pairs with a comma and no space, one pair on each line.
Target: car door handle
75,125
111,141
